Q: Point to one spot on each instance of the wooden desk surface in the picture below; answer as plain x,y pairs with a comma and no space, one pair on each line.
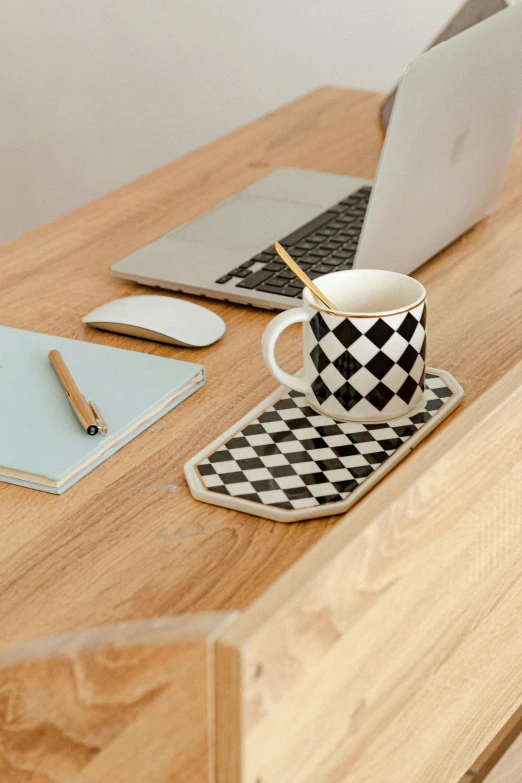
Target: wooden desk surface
129,541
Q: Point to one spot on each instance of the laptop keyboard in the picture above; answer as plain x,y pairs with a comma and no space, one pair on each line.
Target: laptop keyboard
327,243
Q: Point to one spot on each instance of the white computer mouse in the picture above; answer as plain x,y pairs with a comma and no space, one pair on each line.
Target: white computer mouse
161,318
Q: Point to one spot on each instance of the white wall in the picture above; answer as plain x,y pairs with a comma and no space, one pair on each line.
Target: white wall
95,93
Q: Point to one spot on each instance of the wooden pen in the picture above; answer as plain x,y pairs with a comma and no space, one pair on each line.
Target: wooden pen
85,410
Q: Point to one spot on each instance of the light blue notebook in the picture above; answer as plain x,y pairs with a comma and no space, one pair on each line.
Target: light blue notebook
42,444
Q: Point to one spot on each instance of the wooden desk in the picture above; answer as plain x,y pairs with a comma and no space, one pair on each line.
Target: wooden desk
129,543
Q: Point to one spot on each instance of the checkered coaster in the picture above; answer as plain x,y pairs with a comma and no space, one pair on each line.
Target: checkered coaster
382,358
293,457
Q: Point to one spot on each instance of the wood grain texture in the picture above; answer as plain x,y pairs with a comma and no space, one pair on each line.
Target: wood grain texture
130,535
124,702
490,756
509,768
494,751
127,541
390,648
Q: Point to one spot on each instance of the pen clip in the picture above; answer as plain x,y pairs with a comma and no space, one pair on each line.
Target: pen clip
100,421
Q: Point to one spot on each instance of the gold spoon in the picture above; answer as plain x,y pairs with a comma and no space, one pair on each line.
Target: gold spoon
303,277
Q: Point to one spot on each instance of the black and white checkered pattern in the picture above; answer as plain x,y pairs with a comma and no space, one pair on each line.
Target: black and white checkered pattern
292,457
361,368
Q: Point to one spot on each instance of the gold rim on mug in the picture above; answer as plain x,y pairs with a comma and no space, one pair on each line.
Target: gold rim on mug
383,314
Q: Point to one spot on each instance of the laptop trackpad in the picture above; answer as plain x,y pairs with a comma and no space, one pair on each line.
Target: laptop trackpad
246,223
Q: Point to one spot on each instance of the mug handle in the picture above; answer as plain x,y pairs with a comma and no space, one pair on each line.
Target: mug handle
276,326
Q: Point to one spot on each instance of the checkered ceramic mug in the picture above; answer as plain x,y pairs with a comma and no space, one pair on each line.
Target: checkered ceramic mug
366,360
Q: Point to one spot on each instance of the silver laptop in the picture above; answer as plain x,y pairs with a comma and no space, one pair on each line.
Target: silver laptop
454,122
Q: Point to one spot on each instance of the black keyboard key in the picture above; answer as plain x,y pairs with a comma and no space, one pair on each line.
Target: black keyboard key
278,282
275,266
268,288
262,257
346,263
224,279
332,244
332,262
321,269
297,252
308,228
343,253
255,280
247,264
304,246
326,232
319,251
288,291
287,273
240,272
